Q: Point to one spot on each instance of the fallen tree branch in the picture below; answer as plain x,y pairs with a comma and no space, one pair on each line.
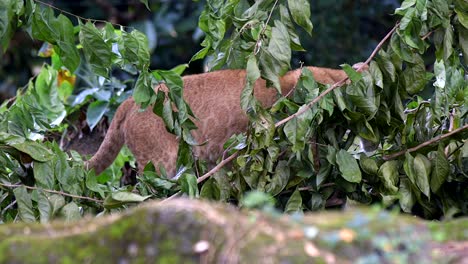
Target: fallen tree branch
425,144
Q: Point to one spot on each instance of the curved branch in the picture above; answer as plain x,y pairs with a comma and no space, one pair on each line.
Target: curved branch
425,144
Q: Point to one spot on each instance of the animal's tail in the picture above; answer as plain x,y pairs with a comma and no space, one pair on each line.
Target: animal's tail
113,141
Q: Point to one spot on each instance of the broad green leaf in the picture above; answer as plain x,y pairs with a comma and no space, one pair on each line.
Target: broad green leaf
257,199
348,166
293,36
386,65
92,184
128,197
388,173
253,73
25,207
376,74
42,25
189,185
179,69
6,27
463,40
407,198
300,11
408,167
296,129
96,111
401,49
71,212
280,49
66,48
414,75
36,150
45,207
294,203
97,51
422,170
44,175
368,165
143,89
134,49
210,190
279,180
440,170
353,75
448,43
57,202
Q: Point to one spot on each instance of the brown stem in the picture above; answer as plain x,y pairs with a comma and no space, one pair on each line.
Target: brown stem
51,191
425,144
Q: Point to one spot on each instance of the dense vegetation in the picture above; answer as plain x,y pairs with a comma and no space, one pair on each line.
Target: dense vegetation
409,108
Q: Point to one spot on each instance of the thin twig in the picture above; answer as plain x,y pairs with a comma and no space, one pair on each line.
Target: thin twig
337,84
258,44
51,191
217,167
79,17
425,144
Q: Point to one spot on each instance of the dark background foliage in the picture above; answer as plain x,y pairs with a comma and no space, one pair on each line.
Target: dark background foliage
344,31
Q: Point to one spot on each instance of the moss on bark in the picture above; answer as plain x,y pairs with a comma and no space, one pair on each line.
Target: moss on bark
191,231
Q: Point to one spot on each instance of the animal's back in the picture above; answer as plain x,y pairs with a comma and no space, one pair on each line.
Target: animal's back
215,100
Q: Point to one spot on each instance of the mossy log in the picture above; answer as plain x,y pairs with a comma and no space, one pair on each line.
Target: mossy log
193,231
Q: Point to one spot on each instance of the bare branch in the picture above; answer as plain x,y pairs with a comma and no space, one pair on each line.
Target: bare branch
51,191
425,144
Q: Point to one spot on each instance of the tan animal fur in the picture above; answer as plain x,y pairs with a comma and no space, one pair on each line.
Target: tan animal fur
215,100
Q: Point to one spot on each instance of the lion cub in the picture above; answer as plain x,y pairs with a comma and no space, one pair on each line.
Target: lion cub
215,100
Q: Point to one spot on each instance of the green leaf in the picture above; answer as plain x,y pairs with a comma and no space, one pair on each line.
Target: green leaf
388,173
6,17
210,190
279,180
134,49
279,47
353,75
97,51
71,212
422,170
25,207
36,150
44,175
285,18
45,207
294,203
296,129
407,198
66,47
440,171
368,165
57,202
300,11
189,185
95,112
92,184
143,89
448,42
257,199
414,76
129,197
376,74
348,166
